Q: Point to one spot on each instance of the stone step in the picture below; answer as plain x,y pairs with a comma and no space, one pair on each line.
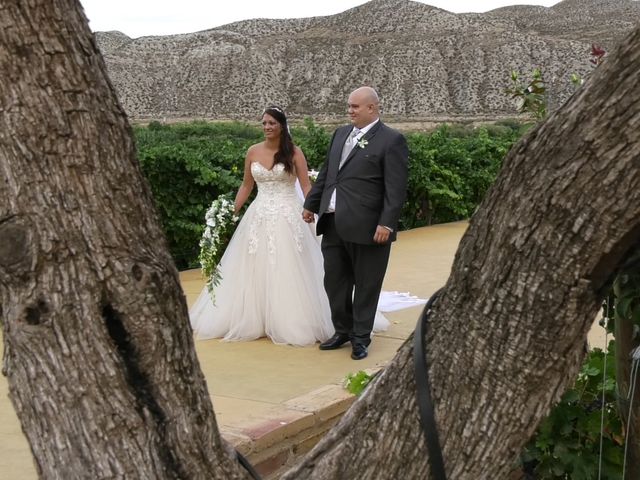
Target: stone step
275,443
276,439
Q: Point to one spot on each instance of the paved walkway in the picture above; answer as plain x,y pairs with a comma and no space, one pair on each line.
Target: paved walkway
272,401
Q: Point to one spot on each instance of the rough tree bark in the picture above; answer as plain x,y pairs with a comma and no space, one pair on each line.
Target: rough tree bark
508,335
97,348
98,351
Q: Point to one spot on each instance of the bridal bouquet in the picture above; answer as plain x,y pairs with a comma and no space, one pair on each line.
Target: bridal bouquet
220,223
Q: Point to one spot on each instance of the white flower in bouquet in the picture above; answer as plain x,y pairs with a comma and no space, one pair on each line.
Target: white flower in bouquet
220,223
313,175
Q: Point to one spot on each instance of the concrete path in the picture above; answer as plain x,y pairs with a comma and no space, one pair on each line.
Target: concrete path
274,402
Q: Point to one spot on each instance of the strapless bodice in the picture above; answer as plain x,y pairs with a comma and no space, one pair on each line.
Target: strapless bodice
273,185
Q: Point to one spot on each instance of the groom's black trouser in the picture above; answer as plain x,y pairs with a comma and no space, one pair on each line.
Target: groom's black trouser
353,275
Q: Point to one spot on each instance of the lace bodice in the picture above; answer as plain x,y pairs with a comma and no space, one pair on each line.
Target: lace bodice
272,183
276,201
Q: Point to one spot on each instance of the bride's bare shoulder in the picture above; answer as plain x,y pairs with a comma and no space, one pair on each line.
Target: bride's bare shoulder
257,147
255,150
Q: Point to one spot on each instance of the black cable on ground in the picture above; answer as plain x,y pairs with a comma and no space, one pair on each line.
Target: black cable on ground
423,390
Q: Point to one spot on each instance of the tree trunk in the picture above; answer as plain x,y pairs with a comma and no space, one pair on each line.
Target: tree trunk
97,346
98,350
509,334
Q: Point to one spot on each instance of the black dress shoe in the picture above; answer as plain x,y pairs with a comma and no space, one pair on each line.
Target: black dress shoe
358,351
334,342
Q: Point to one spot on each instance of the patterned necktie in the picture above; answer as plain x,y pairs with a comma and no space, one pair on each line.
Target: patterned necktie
348,145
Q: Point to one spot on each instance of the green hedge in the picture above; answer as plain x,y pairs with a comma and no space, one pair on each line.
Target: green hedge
187,166
190,164
450,170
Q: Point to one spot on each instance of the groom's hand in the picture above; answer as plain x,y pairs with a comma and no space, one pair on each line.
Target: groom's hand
307,216
382,234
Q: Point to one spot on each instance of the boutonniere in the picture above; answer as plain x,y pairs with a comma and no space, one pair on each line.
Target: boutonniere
362,143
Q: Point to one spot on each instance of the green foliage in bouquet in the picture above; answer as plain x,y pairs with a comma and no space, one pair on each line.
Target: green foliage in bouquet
220,222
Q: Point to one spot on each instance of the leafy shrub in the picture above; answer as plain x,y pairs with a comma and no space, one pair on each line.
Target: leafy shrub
187,166
567,443
314,142
450,170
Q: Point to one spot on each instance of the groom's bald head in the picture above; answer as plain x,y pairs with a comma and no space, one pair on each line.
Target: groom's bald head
363,106
368,93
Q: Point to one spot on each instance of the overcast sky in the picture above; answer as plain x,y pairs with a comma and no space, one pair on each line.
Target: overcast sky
137,18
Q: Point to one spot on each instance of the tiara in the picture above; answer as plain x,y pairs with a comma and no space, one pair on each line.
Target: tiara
273,108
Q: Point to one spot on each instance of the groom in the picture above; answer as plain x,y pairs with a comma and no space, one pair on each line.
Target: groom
358,196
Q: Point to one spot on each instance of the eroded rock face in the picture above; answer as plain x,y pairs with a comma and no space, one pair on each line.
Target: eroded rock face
426,63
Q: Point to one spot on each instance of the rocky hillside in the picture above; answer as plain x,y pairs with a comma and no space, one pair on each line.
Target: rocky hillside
426,63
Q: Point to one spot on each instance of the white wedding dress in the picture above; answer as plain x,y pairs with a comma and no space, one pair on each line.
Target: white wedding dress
272,273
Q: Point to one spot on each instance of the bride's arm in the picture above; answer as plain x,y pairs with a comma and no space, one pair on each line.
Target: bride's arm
247,184
302,171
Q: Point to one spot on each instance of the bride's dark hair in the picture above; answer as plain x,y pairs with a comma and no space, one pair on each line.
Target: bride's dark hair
284,154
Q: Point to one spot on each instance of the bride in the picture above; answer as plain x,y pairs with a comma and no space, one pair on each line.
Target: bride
272,269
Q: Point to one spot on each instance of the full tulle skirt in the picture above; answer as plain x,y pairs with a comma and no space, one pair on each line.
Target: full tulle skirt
271,285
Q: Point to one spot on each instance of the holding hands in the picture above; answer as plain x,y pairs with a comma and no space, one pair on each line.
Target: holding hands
307,216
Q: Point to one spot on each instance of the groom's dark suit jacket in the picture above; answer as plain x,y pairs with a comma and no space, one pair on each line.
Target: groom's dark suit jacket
370,187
